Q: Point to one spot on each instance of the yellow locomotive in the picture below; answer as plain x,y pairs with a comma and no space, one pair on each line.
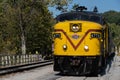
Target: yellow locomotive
82,42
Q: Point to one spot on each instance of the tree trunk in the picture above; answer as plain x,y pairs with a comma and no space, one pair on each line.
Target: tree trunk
23,41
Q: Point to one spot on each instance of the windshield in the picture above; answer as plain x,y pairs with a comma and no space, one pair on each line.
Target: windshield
79,16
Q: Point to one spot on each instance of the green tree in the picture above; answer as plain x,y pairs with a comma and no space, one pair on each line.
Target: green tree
115,30
61,5
9,37
29,21
112,16
75,6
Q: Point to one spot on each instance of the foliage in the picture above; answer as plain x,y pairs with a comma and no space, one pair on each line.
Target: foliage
75,6
8,31
58,2
115,30
29,20
113,18
61,5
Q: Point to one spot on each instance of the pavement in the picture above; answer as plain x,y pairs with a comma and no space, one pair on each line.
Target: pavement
112,72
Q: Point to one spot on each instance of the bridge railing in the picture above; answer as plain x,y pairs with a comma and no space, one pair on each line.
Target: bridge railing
13,60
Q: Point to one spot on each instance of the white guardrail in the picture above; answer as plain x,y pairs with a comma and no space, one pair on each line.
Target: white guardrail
13,60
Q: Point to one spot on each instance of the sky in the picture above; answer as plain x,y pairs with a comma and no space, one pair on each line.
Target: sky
102,5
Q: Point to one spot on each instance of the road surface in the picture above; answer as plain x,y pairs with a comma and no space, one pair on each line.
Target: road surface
112,72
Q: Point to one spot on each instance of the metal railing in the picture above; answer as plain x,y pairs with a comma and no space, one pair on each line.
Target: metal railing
13,60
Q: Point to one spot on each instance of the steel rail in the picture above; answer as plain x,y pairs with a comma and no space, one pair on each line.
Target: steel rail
18,68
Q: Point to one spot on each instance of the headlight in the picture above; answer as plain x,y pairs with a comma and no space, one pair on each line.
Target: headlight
75,27
86,47
65,47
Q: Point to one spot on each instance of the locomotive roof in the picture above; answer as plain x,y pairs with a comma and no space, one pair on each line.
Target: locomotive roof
78,14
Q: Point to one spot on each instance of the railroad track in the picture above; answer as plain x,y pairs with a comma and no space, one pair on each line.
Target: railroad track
17,68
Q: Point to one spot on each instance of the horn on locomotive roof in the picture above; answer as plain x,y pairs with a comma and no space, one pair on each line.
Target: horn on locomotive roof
95,9
81,8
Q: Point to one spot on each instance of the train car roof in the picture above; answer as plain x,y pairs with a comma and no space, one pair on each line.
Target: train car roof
84,12
78,14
